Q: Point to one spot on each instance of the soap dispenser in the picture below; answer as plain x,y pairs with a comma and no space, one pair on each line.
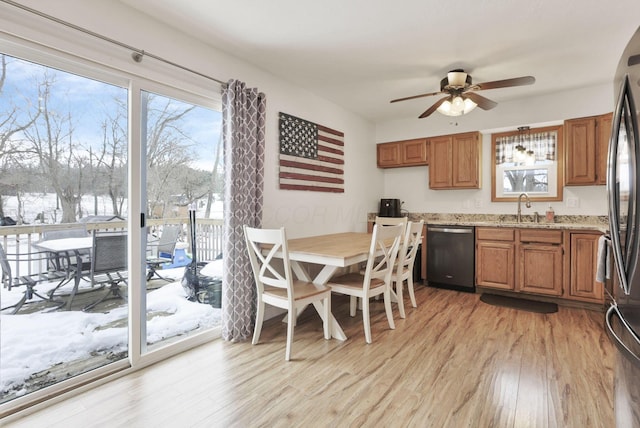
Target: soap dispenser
550,215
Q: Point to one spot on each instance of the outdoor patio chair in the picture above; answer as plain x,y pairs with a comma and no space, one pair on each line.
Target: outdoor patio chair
161,252
28,280
108,265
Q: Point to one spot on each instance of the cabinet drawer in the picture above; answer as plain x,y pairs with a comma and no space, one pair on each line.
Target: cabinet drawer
540,235
494,234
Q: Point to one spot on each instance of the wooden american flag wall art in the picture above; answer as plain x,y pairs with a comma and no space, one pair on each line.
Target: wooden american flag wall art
311,156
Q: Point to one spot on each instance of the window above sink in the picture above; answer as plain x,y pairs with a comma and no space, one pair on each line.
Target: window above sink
527,161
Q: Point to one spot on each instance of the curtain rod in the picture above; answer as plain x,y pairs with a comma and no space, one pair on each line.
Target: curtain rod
137,54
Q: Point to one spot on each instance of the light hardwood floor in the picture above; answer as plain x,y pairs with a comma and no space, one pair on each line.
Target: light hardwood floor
453,362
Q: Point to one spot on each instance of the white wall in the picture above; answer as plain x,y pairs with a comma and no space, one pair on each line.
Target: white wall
302,213
412,184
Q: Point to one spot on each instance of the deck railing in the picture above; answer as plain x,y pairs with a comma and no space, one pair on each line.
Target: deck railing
209,245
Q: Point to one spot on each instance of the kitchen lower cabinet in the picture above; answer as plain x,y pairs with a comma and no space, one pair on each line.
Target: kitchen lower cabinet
540,269
583,261
540,261
495,257
520,260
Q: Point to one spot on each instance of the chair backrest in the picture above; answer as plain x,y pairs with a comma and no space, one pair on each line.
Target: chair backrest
391,221
383,252
109,253
412,239
168,239
76,231
268,269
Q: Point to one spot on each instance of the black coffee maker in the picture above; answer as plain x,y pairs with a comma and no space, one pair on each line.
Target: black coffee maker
390,208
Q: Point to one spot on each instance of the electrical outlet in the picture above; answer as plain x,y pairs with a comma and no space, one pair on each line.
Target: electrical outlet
466,204
478,203
573,203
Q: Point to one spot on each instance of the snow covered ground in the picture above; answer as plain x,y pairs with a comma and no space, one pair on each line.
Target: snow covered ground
34,342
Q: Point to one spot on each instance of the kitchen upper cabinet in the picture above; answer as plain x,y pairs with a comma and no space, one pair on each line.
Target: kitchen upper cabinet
403,153
495,257
583,261
586,144
454,161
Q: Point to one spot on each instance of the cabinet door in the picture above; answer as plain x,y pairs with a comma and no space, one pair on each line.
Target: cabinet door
495,264
540,269
580,151
414,152
603,134
388,155
440,162
584,253
465,154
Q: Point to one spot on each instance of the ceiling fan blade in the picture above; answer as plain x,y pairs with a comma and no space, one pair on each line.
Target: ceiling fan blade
516,81
415,96
483,103
433,107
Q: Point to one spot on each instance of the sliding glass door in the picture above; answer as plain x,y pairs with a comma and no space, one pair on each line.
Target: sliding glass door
63,183
91,286
183,176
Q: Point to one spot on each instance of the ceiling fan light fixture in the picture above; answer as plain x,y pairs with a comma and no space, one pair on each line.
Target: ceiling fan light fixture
456,106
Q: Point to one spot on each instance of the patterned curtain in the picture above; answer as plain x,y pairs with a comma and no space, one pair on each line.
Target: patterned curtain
541,144
243,127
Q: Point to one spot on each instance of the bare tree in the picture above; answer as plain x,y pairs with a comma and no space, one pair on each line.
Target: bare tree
52,141
168,148
12,123
111,160
215,178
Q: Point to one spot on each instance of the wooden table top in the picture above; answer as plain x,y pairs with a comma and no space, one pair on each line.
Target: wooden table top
338,249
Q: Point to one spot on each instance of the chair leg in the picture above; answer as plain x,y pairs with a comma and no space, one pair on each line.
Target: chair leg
353,302
411,293
327,317
399,288
366,320
387,308
290,326
258,327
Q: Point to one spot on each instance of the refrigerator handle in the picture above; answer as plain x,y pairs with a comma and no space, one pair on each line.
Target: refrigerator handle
613,310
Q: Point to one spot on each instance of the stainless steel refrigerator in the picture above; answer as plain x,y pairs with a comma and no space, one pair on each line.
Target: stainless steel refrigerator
623,191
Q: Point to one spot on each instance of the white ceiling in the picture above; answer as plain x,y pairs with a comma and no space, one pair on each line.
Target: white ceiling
361,54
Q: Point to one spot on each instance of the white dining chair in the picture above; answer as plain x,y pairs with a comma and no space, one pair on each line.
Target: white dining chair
392,221
276,285
376,279
404,266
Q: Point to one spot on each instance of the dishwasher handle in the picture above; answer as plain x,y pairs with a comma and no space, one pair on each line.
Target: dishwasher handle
449,229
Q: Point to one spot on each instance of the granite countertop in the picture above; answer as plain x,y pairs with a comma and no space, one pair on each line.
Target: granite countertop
593,223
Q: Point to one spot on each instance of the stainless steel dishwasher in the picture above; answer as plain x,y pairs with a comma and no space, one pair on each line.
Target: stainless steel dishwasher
451,257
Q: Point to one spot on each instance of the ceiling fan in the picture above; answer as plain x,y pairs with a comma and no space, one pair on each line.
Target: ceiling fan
461,96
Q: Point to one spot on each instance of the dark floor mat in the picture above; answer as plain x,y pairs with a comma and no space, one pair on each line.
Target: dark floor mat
517,303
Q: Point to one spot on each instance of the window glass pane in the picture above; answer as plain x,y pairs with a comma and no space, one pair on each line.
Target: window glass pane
526,180
63,182
184,171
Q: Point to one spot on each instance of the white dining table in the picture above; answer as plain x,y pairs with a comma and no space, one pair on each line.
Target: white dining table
332,252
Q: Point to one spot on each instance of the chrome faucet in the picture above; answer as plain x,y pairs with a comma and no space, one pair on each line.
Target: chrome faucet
527,204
